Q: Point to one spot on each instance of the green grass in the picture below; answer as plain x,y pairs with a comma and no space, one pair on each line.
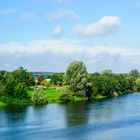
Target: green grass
2,104
99,97
78,99
30,92
52,95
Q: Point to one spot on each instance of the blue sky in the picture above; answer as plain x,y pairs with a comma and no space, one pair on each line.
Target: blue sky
46,35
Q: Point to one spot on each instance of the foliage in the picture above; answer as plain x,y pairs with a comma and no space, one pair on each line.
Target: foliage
2,104
64,94
40,79
10,86
21,75
1,89
137,85
20,91
7,100
107,85
39,97
57,79
76,78
106,72
45,83
133,73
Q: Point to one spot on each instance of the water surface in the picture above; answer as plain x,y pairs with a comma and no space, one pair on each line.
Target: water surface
111,119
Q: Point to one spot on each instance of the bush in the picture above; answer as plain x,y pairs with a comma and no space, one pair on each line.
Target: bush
39,97
64,94
45,83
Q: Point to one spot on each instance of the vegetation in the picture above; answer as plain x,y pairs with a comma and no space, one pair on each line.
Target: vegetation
2,104
57,79
76,78
76,84
38,97
40,79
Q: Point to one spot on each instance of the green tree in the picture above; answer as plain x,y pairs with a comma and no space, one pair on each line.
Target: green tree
10,86
137,85
23,76
1,89
133,73
76,78
40,79
39,97
106,72
57,78
20,91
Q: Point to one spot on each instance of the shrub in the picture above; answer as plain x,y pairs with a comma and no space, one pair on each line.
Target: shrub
45,83
64,94
39,97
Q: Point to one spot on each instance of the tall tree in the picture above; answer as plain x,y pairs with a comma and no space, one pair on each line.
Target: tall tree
76,78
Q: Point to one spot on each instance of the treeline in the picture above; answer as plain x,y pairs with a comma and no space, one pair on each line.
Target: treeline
77,82
74,85
15,87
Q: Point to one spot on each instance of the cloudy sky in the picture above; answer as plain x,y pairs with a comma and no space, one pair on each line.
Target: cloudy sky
46,35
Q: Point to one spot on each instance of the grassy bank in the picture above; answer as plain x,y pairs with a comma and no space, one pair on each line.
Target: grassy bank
99,97
8,101
51,94
2,104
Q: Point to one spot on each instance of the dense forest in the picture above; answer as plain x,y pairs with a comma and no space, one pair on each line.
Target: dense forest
76,84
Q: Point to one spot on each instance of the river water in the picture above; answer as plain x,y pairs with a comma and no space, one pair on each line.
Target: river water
111,119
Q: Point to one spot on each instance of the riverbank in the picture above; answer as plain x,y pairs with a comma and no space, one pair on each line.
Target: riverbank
2,104
51,95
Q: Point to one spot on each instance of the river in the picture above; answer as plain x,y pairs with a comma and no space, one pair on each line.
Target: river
111,119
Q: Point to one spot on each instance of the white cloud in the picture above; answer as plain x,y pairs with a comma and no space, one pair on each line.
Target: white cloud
7,11
57,31
107,25
28,16
55,55
53,16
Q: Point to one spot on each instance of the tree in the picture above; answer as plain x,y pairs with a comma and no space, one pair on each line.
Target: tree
20,91
39,97
40,79
133,73
57,78
76,78
10,86
1,89
23,76
106,72
137,85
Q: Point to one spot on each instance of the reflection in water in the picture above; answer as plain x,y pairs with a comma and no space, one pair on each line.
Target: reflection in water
15,113
116,118
76,114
